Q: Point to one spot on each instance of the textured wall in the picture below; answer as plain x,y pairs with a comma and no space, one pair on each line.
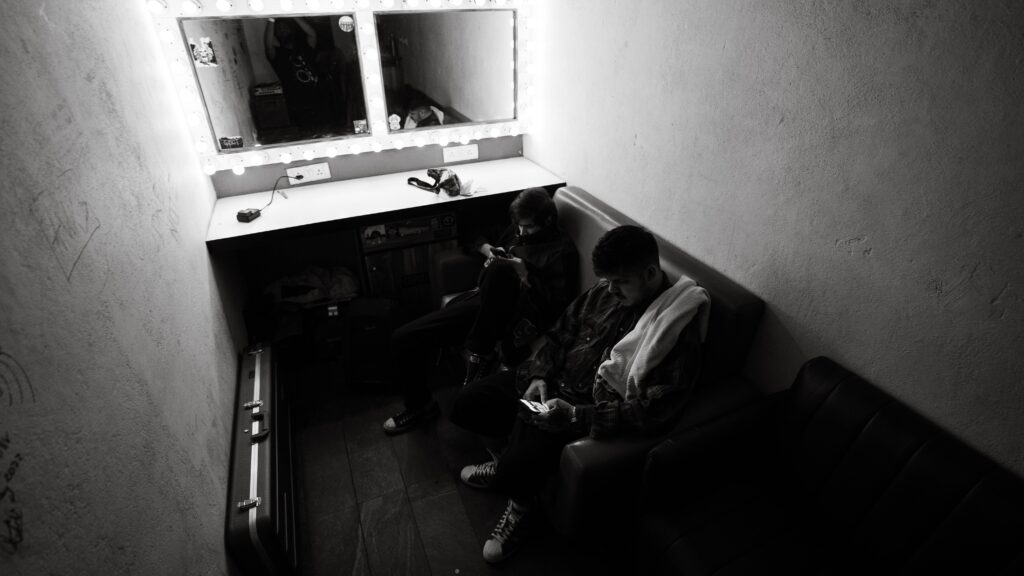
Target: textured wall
856,164
117,359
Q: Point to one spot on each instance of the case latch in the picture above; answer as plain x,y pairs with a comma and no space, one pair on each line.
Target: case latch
249,503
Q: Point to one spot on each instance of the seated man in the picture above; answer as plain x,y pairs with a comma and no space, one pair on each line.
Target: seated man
622,358
528,278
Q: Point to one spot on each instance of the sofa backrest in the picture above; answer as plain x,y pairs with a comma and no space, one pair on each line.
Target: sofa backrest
894,489
735,311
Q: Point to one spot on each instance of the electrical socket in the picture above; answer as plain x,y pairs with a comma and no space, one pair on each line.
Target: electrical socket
309,173
460,153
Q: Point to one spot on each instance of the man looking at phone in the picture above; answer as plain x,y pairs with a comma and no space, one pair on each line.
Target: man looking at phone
529,276
593,339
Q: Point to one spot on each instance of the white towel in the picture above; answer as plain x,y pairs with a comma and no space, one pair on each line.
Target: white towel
654,336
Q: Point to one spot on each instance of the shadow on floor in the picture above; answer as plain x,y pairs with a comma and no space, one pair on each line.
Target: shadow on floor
373,504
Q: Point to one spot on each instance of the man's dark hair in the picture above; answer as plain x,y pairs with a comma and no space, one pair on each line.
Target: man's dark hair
534,203
623,250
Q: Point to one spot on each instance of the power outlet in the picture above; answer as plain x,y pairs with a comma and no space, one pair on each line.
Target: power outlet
309,173
460,153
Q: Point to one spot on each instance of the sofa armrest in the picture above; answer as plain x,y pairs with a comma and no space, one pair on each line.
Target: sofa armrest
590,470
690,462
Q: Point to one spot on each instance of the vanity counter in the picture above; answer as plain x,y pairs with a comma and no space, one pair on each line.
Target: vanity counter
315,204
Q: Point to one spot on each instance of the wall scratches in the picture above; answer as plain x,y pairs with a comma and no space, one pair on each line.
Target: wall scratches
69,226
14,381
854,245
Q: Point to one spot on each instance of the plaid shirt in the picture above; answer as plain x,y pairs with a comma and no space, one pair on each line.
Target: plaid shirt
578,343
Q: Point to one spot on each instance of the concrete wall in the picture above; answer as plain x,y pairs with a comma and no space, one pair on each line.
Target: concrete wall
856,164
117,356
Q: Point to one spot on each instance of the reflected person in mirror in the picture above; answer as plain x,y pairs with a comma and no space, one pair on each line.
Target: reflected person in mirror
529,276
290,45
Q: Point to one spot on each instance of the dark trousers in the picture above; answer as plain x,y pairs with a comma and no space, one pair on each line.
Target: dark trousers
491,407
477,321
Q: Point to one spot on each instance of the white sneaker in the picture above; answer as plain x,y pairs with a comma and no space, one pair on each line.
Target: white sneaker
480,475
507,536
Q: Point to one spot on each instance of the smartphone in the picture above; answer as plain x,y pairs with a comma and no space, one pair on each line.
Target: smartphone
535,406
499,252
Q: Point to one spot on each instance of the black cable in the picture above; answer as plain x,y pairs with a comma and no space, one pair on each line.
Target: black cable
296,177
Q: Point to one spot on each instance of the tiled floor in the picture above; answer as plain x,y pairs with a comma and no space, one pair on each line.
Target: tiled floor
372,504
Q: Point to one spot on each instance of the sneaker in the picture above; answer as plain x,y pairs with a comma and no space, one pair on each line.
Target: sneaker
410,418
477,366
507,536
480,475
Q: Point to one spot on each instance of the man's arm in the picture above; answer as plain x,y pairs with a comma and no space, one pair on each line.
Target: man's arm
662,397
269,41
547,362
308,30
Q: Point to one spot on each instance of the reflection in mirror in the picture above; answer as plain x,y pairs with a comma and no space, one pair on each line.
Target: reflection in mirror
277,80
444,68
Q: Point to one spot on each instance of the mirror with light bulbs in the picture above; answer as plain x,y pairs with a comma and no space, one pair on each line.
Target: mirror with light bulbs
385,71
267,81
447,68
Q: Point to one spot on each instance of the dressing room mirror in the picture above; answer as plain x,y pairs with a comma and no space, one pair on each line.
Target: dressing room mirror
446,68
280,80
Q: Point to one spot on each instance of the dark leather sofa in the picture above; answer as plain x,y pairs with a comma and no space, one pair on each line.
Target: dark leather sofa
832,476
578,502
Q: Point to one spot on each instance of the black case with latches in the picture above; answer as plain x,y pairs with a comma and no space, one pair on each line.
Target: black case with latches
260,529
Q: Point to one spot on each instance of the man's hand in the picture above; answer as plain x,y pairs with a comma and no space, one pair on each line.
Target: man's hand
538,391
520,267
557,418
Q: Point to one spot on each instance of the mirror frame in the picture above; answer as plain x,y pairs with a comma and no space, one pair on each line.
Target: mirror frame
166,19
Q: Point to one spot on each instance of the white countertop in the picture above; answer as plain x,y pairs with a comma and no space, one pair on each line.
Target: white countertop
331,201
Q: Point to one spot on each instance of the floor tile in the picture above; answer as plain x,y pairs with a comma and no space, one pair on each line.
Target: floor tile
448,537
392,540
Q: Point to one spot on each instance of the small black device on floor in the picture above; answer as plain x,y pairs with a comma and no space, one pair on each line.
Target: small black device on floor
248,215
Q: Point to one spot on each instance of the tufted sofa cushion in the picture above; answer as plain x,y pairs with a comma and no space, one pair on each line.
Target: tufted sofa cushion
833,476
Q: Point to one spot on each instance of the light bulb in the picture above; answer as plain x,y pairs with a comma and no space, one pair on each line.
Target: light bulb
224,5
190,6
287,5
420,141
355,148
376,146
412,3
156,6
364,4
499,2
435,3
331,151
285,157
480,2
494,132
238,169
514,130
398,143
210,169
313,4
256,5
456,2
464,138
388,3
442,139
308,155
